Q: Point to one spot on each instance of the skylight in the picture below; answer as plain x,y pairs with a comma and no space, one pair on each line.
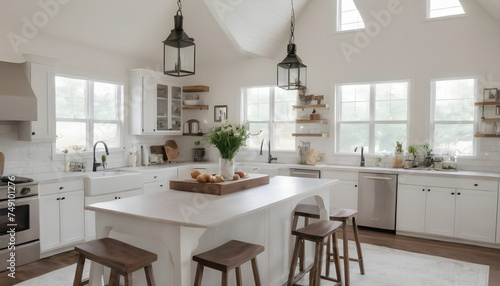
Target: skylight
348,17
443,8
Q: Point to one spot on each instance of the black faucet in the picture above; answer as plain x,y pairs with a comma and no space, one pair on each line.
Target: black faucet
95,162
362,163
270,158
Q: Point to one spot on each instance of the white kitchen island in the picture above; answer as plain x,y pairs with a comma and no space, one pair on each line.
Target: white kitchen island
176,225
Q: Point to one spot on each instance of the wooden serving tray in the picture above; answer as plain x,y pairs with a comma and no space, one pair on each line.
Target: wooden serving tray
223,188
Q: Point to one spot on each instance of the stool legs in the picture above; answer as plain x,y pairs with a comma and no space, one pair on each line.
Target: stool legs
199,275
255,269
346,253
295,257
358,246
79,271
150,278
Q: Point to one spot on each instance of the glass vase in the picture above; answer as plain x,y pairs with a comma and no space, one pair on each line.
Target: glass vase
398,160
226,168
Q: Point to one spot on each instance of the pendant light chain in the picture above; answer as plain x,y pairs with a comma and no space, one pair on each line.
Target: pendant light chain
179,11
292,26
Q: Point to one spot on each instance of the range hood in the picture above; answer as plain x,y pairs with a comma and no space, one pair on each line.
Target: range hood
17,98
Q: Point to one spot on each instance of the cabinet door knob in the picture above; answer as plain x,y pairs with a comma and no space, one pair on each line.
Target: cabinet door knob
452,193
423,190
155,177
58,199
475,185
459,193
355,186
63,198
428,190
61,188
161,185
33,133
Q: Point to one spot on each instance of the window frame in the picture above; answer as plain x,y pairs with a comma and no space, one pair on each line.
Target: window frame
271,122
338,22
433,113
428,12
89,112
372,122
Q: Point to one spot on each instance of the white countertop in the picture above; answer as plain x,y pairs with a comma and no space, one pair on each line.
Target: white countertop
202,210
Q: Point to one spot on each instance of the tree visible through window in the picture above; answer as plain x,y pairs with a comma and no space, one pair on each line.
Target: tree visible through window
86,112
373,115
453,116
348,17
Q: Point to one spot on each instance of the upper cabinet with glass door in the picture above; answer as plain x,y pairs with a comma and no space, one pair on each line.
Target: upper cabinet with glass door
155,104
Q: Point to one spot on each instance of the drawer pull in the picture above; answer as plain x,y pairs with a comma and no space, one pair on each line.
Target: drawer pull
452,194
459,193
428,190
61,188
58,199
423,190
155,177
355,186
475,185
63,198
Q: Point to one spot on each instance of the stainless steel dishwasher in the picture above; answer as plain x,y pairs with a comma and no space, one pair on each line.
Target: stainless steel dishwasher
377,200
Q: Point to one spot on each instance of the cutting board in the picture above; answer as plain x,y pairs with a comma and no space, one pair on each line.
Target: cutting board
224,188
2,163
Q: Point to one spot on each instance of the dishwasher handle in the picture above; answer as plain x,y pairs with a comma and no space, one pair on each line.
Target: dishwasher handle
378,178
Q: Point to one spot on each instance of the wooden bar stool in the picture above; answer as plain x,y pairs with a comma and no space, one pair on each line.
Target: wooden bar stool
344,215
122,258
341,215
315,232
230,255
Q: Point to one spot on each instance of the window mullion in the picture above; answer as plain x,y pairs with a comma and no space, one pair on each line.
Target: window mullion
271,116
371,138
90,112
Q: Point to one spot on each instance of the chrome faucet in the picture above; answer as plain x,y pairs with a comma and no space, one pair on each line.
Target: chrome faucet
270,158
95,162
362,163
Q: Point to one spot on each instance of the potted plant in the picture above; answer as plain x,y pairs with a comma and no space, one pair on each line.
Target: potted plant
198,152
413,150
228,139
427,154
398,160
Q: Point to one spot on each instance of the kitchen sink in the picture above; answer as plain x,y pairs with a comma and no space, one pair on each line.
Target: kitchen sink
107,182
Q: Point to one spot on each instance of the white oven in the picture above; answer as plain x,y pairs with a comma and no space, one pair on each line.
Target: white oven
19,223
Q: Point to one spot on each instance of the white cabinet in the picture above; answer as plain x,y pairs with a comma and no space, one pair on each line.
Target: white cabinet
156,104
476,214
61,214
41,74
498,220
345,193
465,209
440,211
411,208
158,181
90,215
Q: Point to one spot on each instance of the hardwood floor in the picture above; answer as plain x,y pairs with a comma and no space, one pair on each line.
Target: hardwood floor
473,254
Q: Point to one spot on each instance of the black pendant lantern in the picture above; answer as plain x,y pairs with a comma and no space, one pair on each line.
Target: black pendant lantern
292,73
179,50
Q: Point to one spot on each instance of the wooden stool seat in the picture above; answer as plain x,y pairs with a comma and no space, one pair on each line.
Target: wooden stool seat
122,258
315,232
228,256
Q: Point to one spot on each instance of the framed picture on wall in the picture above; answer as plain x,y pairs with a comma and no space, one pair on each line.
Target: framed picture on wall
220,113
490,95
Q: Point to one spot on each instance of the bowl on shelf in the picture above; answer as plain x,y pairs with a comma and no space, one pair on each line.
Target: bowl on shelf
191,101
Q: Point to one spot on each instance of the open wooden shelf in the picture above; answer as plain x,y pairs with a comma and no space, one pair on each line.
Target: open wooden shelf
486,103
311,106
319,121
310,134
195,88
490,119
486,135
200,107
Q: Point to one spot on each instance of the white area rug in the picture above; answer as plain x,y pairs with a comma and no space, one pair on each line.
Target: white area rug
383,267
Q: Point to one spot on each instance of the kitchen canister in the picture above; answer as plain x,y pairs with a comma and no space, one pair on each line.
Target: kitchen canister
186,127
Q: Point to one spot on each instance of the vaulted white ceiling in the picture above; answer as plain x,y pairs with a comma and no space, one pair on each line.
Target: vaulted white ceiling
136,28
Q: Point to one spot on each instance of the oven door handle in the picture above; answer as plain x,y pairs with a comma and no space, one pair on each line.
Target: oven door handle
20,201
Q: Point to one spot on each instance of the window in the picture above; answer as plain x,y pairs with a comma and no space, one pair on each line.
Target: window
373,115
348,17
270,109
87,111
443,8
453,115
